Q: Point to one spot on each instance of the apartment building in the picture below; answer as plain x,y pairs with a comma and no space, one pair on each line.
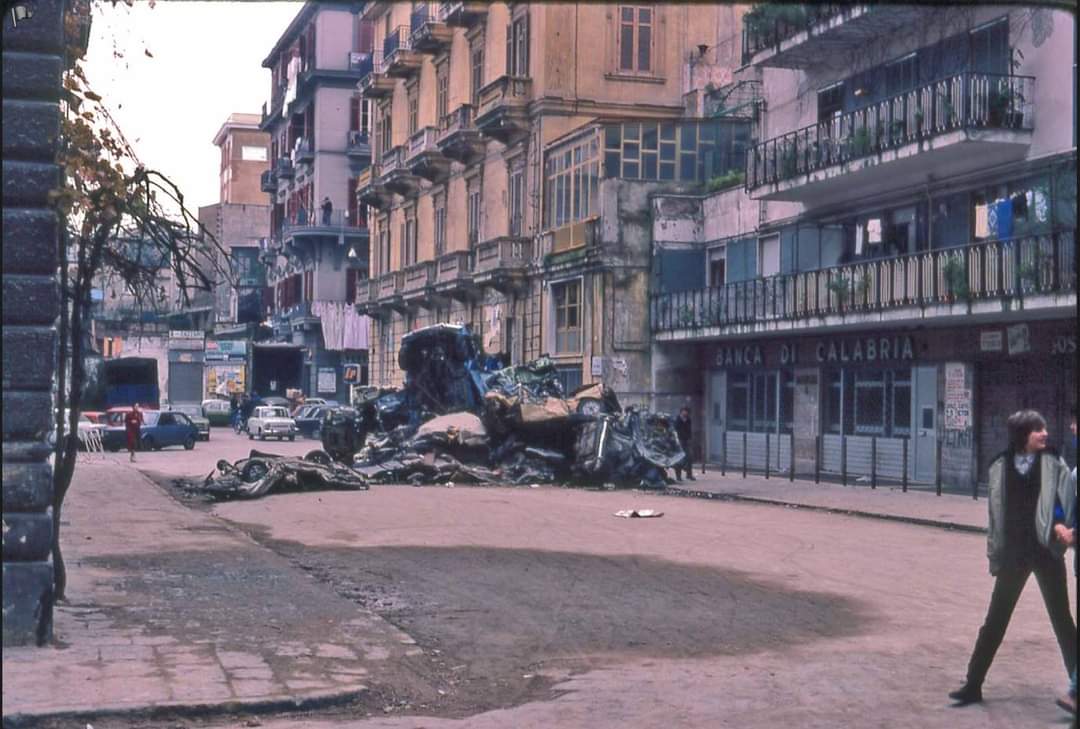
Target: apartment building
896,274
516,146
317,248
240,218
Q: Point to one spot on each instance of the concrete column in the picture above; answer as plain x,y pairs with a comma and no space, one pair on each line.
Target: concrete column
33,66
807,407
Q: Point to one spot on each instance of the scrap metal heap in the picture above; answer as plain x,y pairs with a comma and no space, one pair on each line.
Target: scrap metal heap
460,418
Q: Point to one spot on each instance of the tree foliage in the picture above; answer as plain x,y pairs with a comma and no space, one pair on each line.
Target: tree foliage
121,221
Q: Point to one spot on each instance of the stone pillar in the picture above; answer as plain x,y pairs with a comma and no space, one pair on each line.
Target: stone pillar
33,65
807,426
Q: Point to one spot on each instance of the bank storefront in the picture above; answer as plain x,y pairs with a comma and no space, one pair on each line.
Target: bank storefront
931,402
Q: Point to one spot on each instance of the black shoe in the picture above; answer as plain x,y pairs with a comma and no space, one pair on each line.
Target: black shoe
966,695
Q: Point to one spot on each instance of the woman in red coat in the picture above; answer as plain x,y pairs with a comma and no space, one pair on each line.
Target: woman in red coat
133,421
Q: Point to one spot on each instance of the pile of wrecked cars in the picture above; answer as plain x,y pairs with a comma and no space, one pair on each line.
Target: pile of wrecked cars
461,418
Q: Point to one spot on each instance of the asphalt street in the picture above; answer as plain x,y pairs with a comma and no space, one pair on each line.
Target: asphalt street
514,607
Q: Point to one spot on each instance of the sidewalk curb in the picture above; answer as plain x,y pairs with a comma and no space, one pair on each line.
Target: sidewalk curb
918,521
186,710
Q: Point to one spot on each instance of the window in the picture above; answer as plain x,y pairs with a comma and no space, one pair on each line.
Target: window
573,182
360,115
386,336
738,401
384,247
569,378
475,201
517,201
408,239
385,131
567,298
414,108
442,90
990,47
763,412
902,75
440,225
717,267
830,101
476,55
517,47
635,38
834,415
870,403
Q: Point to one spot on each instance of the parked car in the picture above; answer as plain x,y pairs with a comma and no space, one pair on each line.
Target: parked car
308,402
275,401
85,424
194,412
271,422
217,411
310,419
159,430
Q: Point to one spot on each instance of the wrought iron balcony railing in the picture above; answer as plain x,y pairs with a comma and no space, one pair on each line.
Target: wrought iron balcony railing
767,25
967,100
1017,267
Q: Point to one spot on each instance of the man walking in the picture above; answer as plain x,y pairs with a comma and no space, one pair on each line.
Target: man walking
684,429
133,421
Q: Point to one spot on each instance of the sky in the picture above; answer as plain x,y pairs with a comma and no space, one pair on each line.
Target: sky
204,64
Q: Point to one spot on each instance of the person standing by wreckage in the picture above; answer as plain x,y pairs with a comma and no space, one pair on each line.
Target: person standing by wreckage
684,429
1025,480
133,420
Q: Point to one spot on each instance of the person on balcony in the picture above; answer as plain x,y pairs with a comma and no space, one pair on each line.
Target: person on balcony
327,210
301,216
1025,480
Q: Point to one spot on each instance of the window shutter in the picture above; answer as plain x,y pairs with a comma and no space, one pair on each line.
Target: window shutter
510,50
525,45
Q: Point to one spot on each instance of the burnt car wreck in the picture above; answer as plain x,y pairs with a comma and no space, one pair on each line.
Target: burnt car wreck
462,418
263,473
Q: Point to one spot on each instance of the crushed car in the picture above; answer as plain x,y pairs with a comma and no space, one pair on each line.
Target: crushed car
262,473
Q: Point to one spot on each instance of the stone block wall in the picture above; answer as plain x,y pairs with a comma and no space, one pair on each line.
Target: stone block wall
33,62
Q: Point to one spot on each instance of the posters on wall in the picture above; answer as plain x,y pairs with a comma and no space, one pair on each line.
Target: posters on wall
327,380
957,398
225,379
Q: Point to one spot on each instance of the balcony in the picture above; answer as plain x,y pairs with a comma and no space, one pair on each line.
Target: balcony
424,158
416,282
388,286
801,36
303,152
370,189
358,149
367,297
972,283
399,58
374,82
283,169
462,14
396,175
453,276
268,250
427,32
267,181
304,227
459,139
945,128
501,263
502,109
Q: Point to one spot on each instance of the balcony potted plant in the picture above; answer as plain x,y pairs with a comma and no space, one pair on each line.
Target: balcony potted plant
841,287
860,142
955,275
788,160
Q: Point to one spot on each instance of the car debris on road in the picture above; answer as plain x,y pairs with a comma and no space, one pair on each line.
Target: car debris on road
261,473
462,418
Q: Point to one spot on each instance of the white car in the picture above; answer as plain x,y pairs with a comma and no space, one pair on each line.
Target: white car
271,422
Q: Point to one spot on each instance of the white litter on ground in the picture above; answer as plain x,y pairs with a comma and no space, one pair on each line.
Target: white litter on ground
639,513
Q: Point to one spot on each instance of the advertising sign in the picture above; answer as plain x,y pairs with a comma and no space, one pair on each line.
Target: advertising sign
327,382
226,351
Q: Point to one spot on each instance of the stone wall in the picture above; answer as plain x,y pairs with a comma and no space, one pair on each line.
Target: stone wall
33,65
